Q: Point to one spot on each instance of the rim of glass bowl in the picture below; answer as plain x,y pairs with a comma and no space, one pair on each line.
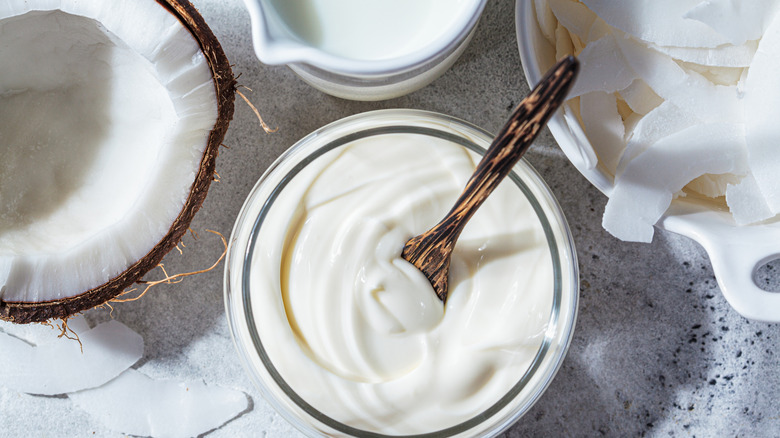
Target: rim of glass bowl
566,287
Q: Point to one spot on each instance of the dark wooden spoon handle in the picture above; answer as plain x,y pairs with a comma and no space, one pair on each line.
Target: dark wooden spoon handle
431,250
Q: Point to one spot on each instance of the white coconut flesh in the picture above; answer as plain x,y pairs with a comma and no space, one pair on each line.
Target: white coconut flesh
105,113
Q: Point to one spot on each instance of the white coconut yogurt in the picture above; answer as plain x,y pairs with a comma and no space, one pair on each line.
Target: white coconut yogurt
357,332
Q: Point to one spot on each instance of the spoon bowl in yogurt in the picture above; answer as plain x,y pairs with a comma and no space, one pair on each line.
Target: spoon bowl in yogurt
431,251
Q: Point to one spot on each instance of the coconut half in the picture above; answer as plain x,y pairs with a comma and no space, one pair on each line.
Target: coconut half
111,117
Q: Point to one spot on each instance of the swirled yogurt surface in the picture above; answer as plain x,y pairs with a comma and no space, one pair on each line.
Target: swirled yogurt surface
356,331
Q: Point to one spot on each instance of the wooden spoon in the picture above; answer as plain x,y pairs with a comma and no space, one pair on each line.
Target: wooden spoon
431,251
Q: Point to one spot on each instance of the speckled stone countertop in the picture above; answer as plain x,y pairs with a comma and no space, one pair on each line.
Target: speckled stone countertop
657,351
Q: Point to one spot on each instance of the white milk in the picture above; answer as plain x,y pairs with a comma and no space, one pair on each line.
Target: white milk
370,29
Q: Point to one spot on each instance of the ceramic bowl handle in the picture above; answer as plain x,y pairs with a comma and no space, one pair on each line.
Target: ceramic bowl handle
735,267
736,253
735,264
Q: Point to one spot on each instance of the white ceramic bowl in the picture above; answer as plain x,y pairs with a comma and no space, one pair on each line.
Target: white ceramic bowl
247,238
736,252
359,79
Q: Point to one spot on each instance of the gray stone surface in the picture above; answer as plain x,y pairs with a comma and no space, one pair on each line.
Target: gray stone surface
657,351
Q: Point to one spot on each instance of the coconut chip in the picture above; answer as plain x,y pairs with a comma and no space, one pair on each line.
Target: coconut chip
661,122
59,366
604,127
602,68
713,186
640,98
737,20
762,112
746,202
138,405
657,21
546,19
574,16
724,56
682,87
36,334
650,181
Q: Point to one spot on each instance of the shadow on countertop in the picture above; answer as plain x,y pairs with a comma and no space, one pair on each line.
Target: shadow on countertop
657,351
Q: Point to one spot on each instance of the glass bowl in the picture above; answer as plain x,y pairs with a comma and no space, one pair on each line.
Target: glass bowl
249,242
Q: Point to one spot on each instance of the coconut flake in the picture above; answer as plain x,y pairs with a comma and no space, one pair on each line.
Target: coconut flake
737,20
603,126
138,405
563,43
647,186
598,30
640,97
728,76
685,89
37,334
746,202
713,186
59,366
723,56
762,112
657,21
574,16
661,122
602,68
546,19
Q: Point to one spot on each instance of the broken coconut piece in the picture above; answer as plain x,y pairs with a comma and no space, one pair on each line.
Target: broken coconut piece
647,186
682,87
664,120
563,42
746,202
574,16
111,115
723,56
713,186
138,405
546,19
604,127
60,366
602,68
725,76
737,20
640,98
762,113
38,334
657,21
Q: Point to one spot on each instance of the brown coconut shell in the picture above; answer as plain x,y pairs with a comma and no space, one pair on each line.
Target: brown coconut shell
225,85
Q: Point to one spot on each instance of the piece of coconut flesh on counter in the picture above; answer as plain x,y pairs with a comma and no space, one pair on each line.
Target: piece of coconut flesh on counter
136,404
111,116
60,366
